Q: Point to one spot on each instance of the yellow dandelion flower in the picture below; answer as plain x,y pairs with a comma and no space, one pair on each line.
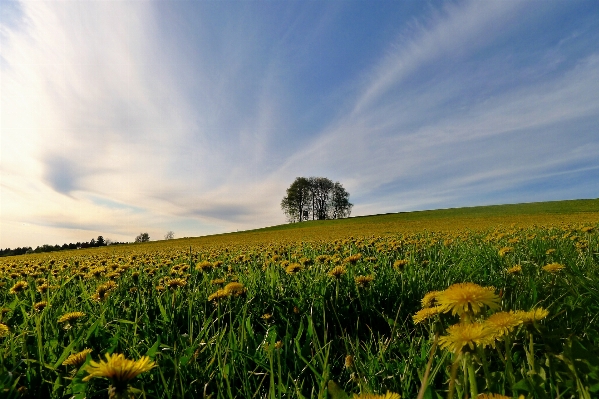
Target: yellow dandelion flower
217,281
515,269
505,250
466,335
266,316
4,330
337,272
550,251
70,317
400,263
219,294
235,288
363,281
532,316
77,359
388,395
117,368
160,288
19,287
176,283
349,361
39,306
429,299
467,297
426,313
352,260
293,268
503,322
553,267
492,396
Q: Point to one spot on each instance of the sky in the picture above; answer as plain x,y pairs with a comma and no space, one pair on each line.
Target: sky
121,117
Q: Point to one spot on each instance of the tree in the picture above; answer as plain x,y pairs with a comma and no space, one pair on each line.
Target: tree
142,237
295,203
100,242
317,197
169,235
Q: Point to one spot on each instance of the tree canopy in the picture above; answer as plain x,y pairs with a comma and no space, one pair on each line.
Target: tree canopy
315,198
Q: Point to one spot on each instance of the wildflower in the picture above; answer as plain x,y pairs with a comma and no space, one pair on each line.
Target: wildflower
42,288
70,317
202,266
388,395
217,281
492,396
337,272
235,289
553,267
278,345
505,250
220,294
363,281
515,270
349,361
352,260
176,283
39,306
400,263
103,290
426,313
18,287
467,297
3,330
466,334
429,299
550,251
587,229
532,316
77,359
120,371
266,316
160,288
503,322
293,268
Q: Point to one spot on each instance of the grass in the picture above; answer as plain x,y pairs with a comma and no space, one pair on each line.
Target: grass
295,329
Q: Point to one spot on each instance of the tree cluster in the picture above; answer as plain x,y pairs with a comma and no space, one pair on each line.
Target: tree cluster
142,237
315,198
94,242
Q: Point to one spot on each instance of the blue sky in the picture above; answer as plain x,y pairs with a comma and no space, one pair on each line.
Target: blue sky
124,117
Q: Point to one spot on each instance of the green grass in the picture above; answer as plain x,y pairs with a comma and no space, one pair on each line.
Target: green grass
229,348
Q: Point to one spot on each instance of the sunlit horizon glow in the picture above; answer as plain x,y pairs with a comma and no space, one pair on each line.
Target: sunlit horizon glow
124,117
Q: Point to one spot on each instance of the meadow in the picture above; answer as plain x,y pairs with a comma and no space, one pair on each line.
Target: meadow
488,302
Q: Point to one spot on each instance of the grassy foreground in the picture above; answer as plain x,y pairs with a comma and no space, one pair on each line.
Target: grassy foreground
320,309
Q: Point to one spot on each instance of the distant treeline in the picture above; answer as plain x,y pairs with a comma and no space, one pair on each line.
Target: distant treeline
94,242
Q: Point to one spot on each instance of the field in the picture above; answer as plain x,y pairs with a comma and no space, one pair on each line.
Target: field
363,307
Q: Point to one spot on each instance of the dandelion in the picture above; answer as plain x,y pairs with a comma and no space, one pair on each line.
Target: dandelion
266,316
120,371
400,263
426,313
235,288
352,260
39,306
160,288
492,396
550,251
503,322
220,294
77,359
463,298
349,361
505,250
363,281
467,335
70,317
19,287
4,330
515,269
337,272
388,395
532,316
293,268
217,281
553,267
176,283
430,299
